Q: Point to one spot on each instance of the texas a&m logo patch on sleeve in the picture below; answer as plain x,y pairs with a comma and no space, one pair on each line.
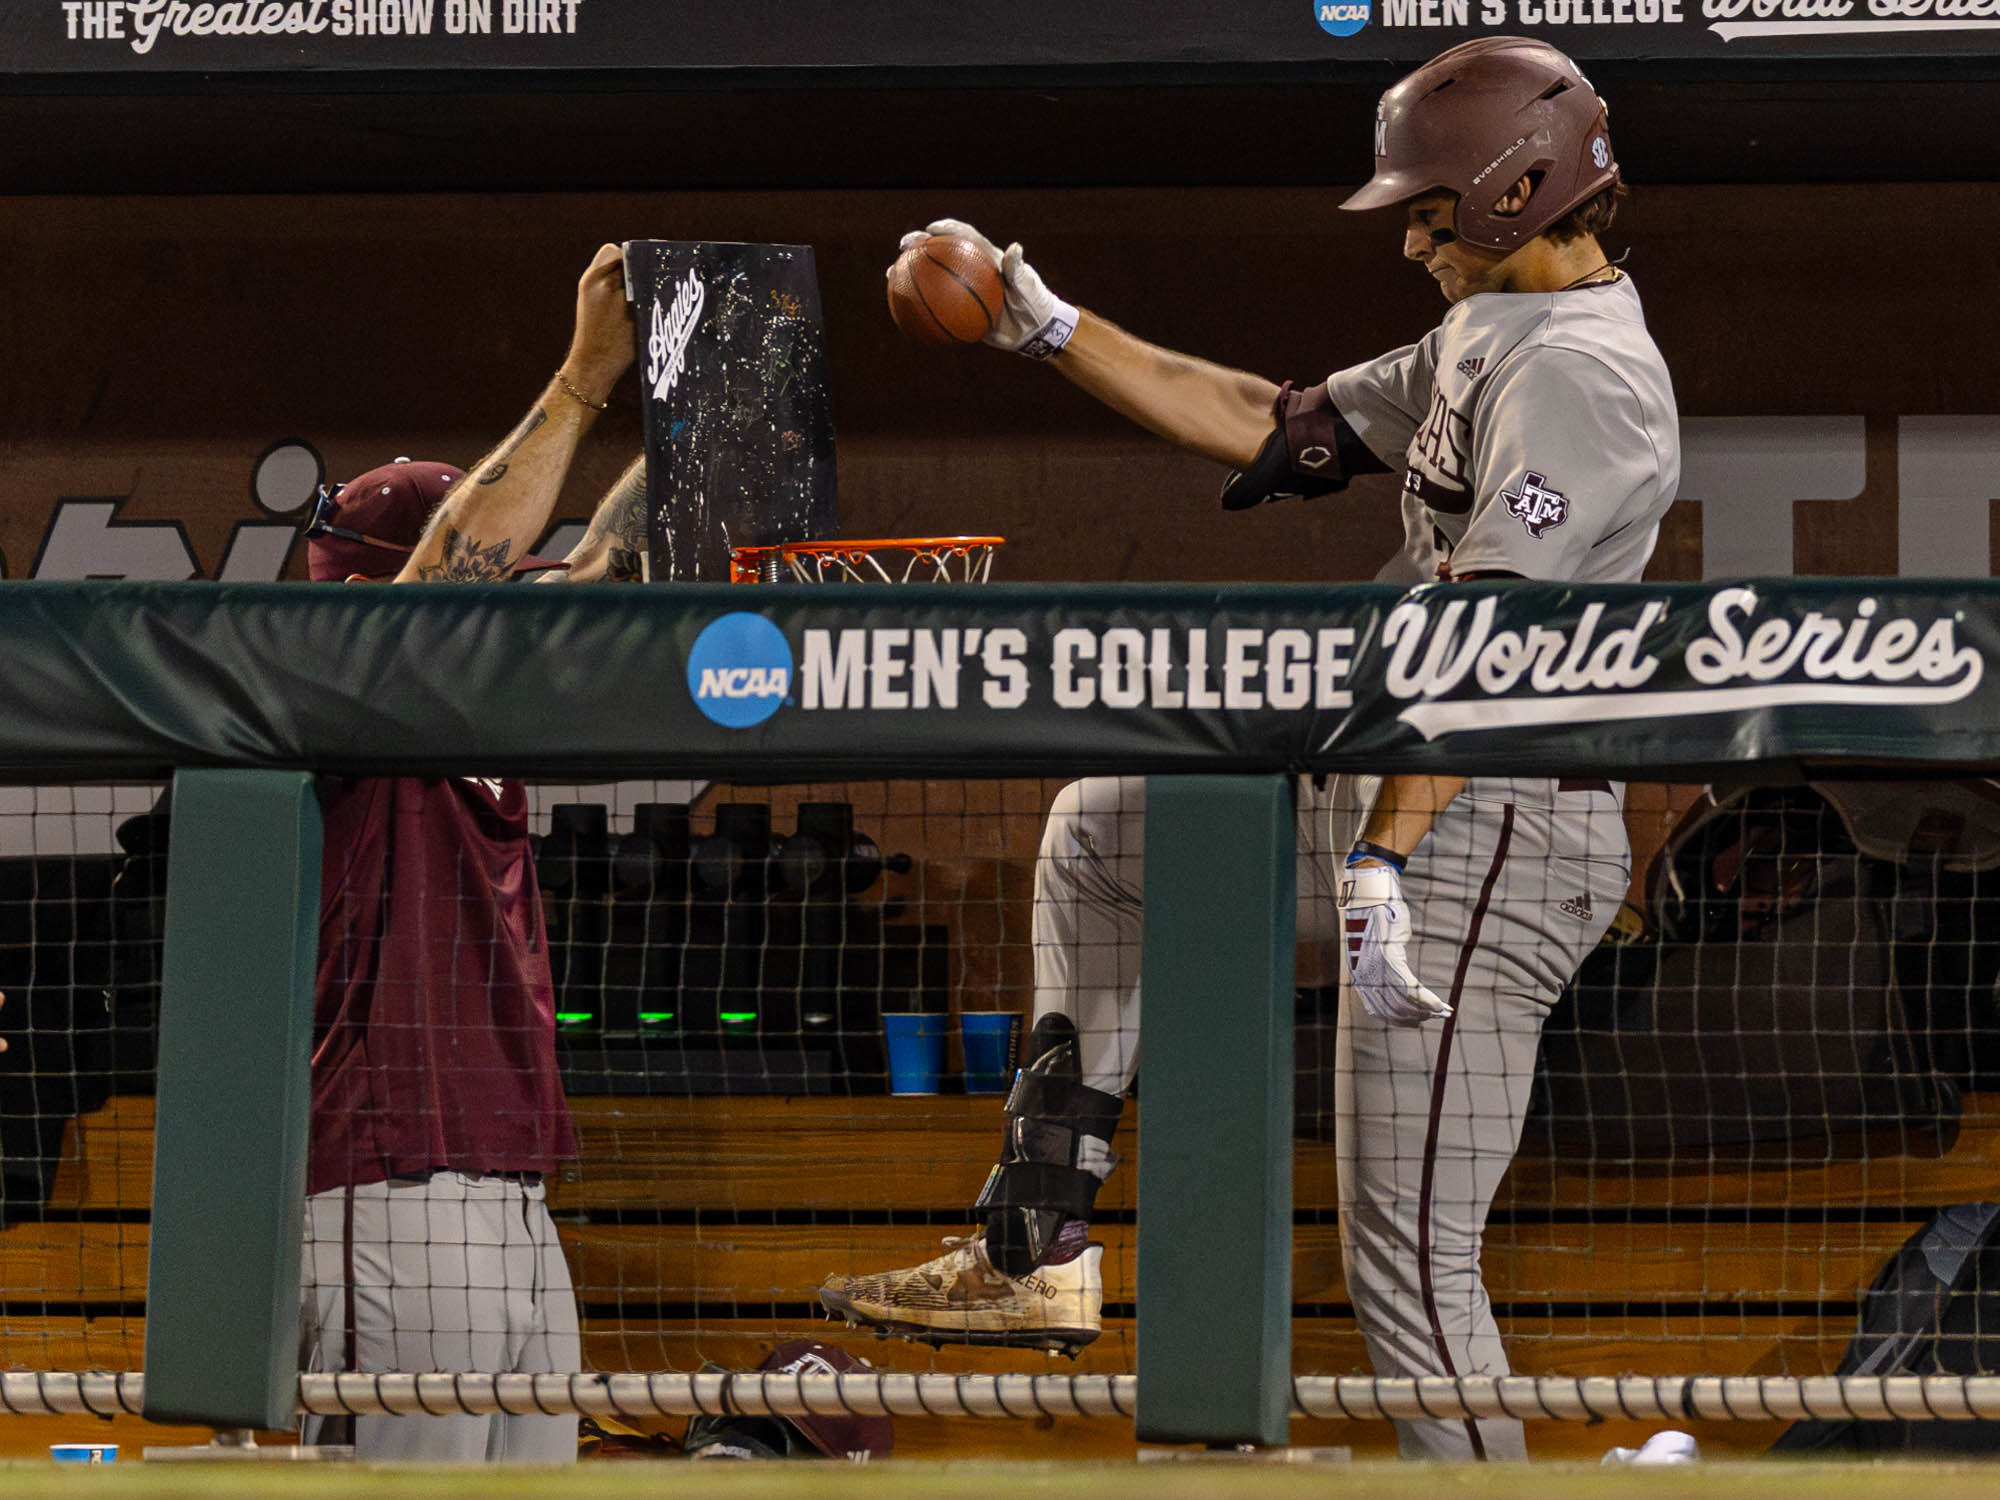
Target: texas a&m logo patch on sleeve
1536,505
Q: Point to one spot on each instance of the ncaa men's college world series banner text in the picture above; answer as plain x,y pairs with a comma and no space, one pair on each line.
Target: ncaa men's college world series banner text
791,682
689,38
1500,679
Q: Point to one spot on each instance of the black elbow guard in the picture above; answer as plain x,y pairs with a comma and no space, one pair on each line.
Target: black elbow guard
1301,458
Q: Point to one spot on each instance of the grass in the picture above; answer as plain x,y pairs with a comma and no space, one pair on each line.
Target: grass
909,1480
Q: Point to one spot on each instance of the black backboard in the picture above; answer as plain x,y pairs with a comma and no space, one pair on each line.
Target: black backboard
739,421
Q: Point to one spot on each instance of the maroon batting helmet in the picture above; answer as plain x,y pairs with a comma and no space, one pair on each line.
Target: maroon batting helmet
842,1434
1478,118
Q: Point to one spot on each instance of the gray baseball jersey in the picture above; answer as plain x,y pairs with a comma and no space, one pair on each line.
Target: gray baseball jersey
1537,434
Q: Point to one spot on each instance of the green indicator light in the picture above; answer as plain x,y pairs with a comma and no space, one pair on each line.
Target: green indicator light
739,1015
656,1015
569,1016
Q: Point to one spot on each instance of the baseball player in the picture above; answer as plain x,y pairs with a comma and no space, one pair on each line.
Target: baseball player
437,1106
1536,435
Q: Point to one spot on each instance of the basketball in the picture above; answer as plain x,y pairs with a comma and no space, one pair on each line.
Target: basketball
945,290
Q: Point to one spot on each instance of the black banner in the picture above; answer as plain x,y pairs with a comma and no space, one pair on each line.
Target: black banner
795,683
682,37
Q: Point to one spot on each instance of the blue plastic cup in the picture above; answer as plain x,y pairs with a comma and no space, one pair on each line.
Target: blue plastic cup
84,1453
916,1052
989,1038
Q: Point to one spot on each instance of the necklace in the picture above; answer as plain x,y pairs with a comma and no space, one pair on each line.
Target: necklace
1598,270
1592,274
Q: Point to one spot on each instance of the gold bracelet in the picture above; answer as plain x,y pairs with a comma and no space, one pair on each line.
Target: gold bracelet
575,394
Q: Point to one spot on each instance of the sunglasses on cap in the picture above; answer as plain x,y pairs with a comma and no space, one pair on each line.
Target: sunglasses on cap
326,505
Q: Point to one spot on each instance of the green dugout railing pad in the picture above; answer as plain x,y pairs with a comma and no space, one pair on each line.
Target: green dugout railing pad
1666,681
229,1161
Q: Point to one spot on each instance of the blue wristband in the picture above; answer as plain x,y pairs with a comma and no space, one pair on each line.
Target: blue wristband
1365,850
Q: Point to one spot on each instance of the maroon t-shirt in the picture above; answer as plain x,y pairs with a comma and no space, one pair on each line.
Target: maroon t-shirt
433,1014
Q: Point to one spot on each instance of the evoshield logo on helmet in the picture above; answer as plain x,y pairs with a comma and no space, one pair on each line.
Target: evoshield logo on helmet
1341,17
740,670
1487,170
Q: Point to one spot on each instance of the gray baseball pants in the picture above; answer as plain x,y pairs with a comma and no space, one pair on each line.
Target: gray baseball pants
450,1271
1514,885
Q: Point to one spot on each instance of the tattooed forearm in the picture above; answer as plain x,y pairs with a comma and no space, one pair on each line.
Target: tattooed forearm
618,529
495,463
625,511
468,560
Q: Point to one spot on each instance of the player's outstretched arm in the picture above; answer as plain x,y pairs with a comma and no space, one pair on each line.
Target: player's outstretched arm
491,517
1215,411
613,549
1221,413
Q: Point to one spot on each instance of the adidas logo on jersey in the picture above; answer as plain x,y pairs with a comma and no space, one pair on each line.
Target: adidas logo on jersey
1470,368
1577,906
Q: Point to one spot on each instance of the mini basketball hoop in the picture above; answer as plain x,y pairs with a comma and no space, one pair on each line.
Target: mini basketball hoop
915,559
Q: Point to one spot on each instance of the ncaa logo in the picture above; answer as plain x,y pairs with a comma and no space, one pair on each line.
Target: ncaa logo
740,670
1341,17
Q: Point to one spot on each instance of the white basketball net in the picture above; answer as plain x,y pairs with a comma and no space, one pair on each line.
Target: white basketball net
950,559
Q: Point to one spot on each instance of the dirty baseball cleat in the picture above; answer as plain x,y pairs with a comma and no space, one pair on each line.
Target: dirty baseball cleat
961,1297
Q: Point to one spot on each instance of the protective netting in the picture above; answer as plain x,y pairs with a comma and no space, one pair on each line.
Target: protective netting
1776,1067
81,880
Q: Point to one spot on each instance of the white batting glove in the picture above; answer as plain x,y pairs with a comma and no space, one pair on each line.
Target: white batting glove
1376,921
1033,321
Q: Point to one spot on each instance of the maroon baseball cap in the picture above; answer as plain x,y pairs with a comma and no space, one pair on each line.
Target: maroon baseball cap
370,525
